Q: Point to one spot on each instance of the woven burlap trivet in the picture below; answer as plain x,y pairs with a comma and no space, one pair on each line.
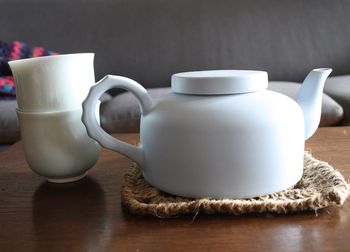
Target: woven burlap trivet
320,186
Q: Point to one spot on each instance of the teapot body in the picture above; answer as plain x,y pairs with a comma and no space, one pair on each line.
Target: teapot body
220,134
223,146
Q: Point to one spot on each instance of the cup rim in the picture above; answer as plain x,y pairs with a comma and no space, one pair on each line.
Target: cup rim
50,57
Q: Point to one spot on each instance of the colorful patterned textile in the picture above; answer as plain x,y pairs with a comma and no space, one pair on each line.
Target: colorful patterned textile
13,51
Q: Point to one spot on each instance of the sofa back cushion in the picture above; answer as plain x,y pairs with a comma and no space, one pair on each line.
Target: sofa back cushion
150,40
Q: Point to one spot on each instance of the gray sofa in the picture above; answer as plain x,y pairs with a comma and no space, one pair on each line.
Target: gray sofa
150,40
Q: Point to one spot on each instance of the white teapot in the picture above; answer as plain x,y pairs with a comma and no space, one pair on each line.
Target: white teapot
220,134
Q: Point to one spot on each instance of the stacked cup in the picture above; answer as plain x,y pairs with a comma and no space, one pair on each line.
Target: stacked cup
50,91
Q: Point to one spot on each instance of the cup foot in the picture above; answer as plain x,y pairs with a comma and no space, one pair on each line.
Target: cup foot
66,180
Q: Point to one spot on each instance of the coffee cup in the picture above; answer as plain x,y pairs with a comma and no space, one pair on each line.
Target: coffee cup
50,91
53,83
56,144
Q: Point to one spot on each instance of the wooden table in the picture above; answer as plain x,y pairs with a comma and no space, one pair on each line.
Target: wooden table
87,215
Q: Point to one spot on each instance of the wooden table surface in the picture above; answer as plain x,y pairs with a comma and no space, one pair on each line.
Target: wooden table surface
87,215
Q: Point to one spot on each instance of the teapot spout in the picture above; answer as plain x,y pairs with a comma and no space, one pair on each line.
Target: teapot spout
309,99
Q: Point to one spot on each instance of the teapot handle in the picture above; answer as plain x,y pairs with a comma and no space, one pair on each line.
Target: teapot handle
92,126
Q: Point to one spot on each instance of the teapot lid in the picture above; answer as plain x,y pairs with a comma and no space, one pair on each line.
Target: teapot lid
216,82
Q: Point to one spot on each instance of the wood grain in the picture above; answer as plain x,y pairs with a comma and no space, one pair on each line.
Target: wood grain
87,215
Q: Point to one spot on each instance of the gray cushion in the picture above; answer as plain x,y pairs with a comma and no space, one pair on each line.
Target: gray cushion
338,88
122,113
9,129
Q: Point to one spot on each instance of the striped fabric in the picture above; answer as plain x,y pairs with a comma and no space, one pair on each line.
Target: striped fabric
13,51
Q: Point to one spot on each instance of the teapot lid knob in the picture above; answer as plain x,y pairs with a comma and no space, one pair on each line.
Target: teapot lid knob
216,82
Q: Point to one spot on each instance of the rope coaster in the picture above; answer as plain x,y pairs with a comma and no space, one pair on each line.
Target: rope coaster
320,186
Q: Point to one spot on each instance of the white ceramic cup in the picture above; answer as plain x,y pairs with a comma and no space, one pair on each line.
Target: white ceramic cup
53,83
56,144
